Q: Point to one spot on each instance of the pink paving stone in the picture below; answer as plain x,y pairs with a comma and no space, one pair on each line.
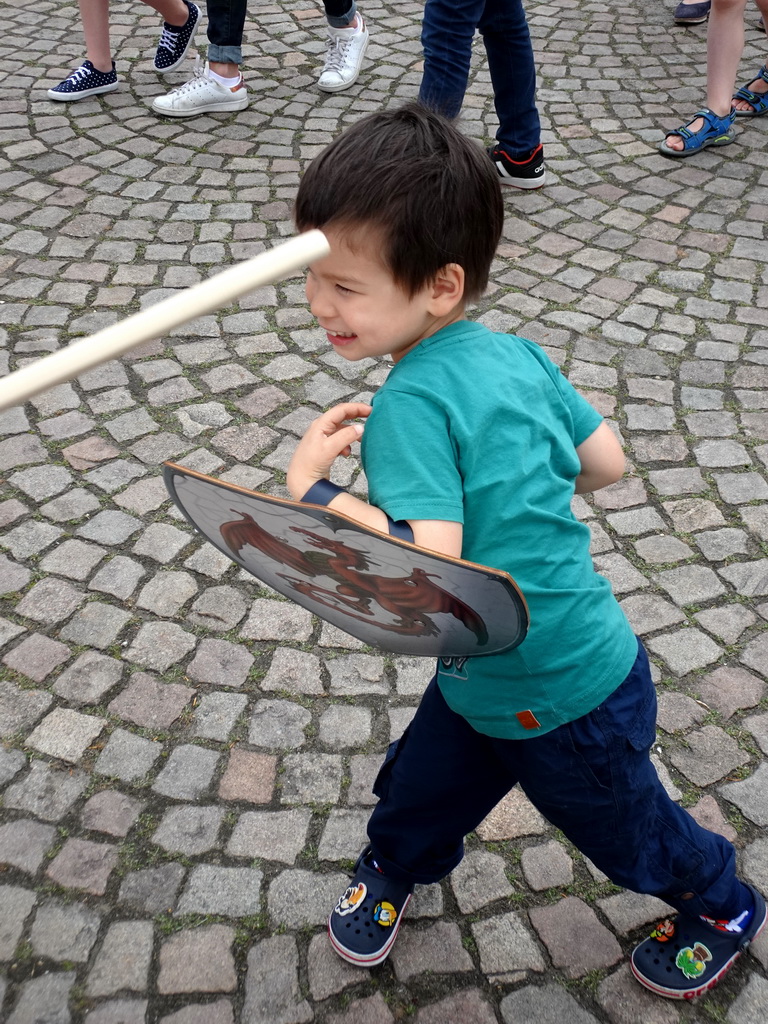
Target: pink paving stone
86,454
708,814
198,961
576,940
626,1002
512,816
149,703
466,1007
673,214
111,812
82,864
249,777
372,1010
36,657
437,949
728,689
624,494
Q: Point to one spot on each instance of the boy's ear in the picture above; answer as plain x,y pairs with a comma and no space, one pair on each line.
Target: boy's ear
447,289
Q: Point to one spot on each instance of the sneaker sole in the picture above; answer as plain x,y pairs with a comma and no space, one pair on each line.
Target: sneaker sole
345,85
524,183
689,994
370,959
211,108
70,96
172,67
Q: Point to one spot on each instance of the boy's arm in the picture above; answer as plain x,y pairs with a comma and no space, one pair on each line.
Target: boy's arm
330,436
602,460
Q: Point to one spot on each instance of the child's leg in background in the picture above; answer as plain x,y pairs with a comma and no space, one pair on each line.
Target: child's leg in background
759,86
594,780
437,785
446,36
510,61
725,44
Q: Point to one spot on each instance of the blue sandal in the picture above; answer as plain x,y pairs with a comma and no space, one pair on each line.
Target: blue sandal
716,131
757,100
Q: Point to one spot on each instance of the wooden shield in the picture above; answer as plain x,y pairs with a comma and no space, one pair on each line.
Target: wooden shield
386,592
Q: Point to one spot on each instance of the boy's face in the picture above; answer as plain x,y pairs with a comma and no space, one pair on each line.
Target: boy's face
359,305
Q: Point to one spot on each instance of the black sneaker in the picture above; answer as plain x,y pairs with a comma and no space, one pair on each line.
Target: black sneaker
175,41
84,81
685,956
364,923
528,173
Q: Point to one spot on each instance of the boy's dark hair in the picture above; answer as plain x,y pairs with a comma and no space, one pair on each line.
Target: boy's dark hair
432,193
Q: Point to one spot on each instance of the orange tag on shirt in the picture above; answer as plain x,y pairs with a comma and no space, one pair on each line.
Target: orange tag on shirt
528,720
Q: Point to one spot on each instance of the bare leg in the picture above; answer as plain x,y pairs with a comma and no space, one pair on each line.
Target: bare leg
225,70
94,15
725,43
174,12
758,86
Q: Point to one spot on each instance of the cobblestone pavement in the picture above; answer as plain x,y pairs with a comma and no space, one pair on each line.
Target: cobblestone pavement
186,760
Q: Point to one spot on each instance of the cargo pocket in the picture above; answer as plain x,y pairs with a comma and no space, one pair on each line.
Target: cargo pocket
381,782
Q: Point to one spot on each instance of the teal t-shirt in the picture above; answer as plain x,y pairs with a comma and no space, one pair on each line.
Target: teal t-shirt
481,428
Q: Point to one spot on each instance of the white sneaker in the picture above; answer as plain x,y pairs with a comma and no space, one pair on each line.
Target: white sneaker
344,57
202,94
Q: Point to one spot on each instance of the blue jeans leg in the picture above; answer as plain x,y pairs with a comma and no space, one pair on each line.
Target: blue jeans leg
447,32
591,778
226,19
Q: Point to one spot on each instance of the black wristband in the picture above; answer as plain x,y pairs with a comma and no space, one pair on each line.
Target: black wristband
400,528
322,492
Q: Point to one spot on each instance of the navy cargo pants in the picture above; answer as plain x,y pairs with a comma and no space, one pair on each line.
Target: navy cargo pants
591,778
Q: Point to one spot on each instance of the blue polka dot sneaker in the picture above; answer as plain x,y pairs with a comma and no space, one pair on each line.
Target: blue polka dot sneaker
366,919
175,41
685,956
85,81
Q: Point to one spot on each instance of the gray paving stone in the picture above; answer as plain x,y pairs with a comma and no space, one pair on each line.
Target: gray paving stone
64,931
219,1012
755,655
547,865
278,724
344,835
44,999
110,528
152,890
468,1006
272,992
166,592
678,712
65,734
730,689
118,577
709,756
158,645
690,584
119,1011
508,950
199,960
293,672
24,843
328,973
20,708
13,576
624,1001
751,1005
88,678
11,763
217,713
354,674
46,792
750,795
648,612
17,905
218,608
437,949
162,542
49,601
629,911
479,879
127,757
758,726
276,621
229,892
220,662
750,579
74,559
189,830
188,772
685,650
575,939
97,624
271,835
111,812
549,1004
343,727
514,815
148,702
311,778
123,960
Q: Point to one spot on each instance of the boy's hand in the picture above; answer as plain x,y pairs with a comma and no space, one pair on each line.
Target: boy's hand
326,438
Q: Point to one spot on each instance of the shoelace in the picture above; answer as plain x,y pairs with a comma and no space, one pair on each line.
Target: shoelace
168,39
336,54
82,72
196,81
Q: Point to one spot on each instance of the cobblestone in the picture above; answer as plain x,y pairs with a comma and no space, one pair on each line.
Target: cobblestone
162,709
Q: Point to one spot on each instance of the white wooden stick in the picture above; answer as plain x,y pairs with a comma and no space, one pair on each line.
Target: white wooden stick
155,322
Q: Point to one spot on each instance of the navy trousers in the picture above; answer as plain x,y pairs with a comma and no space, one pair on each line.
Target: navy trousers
591,778
447,32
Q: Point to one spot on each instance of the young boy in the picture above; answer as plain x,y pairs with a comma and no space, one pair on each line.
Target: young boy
478,442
